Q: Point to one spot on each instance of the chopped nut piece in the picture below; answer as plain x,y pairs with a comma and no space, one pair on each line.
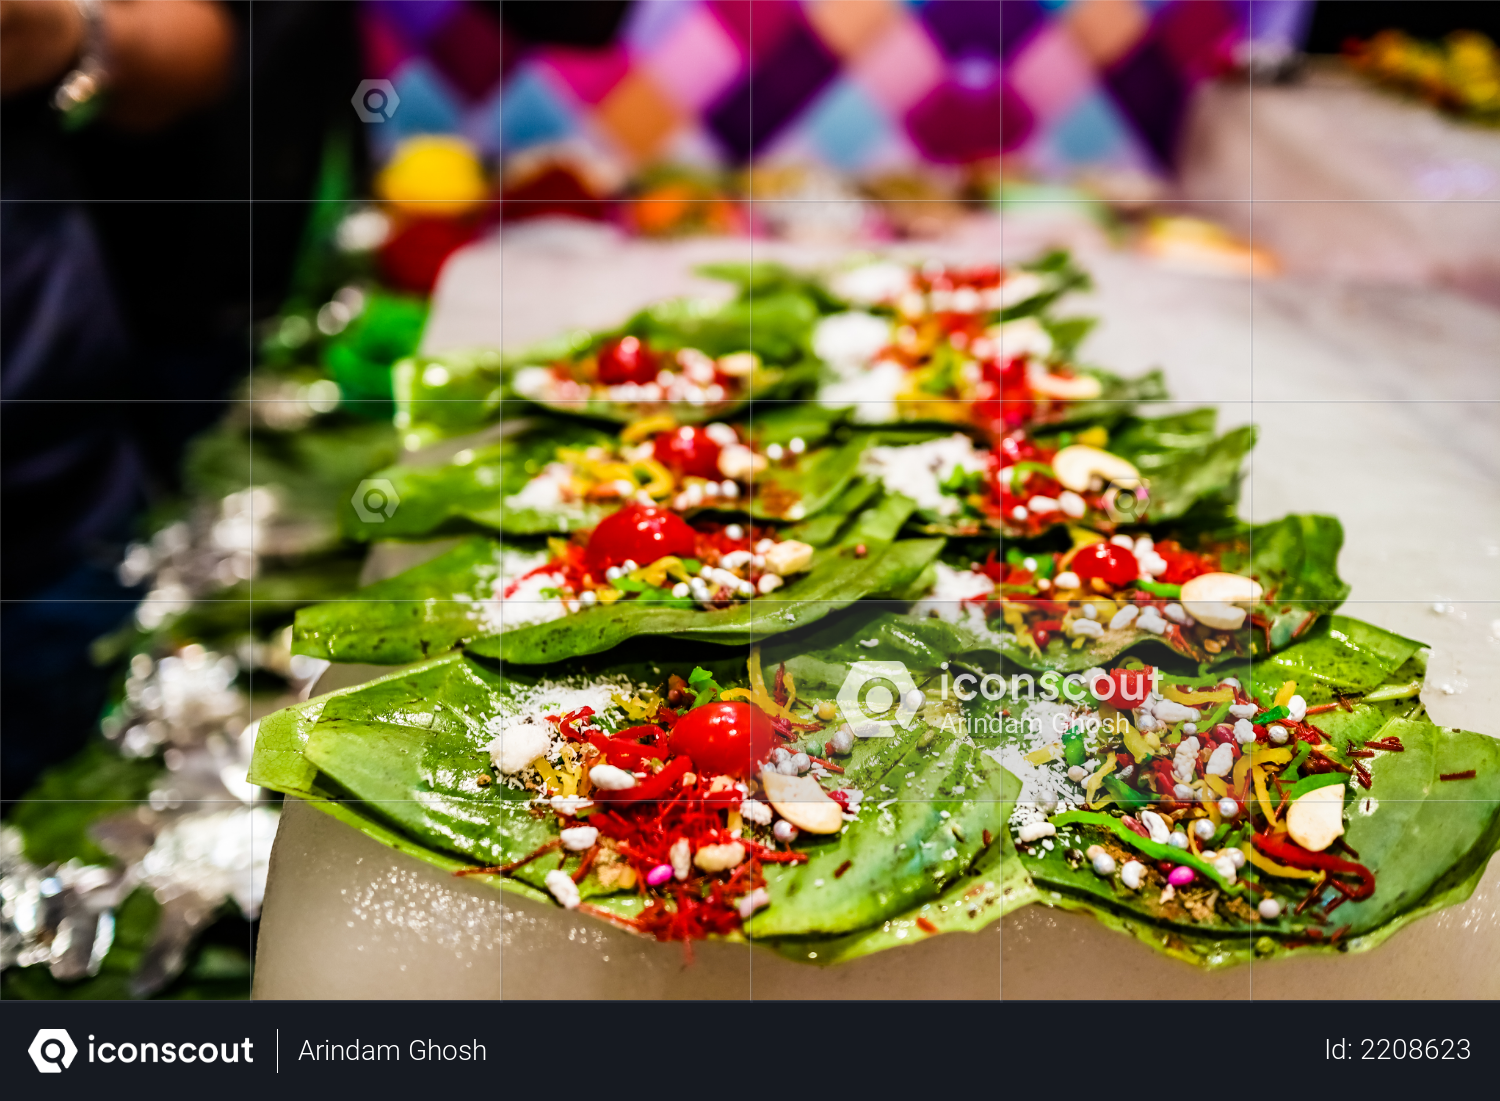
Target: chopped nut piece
720,858
788,558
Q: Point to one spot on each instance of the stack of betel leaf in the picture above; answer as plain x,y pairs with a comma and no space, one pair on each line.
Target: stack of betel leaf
853,611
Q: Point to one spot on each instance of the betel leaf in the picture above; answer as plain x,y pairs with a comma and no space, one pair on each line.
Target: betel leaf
1341,655
839,576
1181,459
401,759
1118,398
776,327
446,395
1062,276
808,486
933,805
470,489
423,612
993,886
1426,840
1294,559
449,601
1416,831
1179,465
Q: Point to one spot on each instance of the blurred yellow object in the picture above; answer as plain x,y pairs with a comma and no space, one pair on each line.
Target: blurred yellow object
433,176
1461,74
1193,244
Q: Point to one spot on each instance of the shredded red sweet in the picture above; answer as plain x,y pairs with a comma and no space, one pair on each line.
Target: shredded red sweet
587,863
506,869
1289,853
926,926
654,788
842,868
1466,774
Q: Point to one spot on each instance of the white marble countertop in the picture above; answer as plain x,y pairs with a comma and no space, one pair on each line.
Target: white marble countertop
1378,404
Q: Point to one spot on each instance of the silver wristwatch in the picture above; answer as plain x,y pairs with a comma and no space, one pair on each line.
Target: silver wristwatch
80,94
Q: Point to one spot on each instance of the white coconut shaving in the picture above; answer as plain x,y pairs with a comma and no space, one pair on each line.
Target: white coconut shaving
1046,783
918,470
872,394
849,342
521,733
526,604
950,587
548,490
872,284
1022,337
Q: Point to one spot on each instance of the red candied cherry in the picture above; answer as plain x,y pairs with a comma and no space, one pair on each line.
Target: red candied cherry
690,452
1114,565
725,738
627,360
640,534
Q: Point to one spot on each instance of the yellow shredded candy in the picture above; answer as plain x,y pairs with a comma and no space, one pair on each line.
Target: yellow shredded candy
1241,769
648,427
1046,753
1266,864
1191,697
1091,786
757,693
1287,690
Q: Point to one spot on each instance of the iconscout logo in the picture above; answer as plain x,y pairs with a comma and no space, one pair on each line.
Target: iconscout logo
52,1049
878,696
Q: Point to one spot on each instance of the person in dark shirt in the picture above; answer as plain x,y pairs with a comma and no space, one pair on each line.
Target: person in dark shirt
136,251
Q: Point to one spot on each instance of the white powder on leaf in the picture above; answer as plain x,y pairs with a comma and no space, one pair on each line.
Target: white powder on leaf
872,284
951,585
849,342
526,604
520,732
872,394
545,491
918,470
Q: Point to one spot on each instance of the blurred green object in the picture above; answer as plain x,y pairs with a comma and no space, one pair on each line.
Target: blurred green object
97,782
359,359
441,396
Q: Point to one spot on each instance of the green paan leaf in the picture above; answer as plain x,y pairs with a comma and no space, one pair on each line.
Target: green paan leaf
450,602
441,396
1118,399
1294,560
470,489
1183,461
1181,458
401,759
479,487
838,577
423,612
1426,840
